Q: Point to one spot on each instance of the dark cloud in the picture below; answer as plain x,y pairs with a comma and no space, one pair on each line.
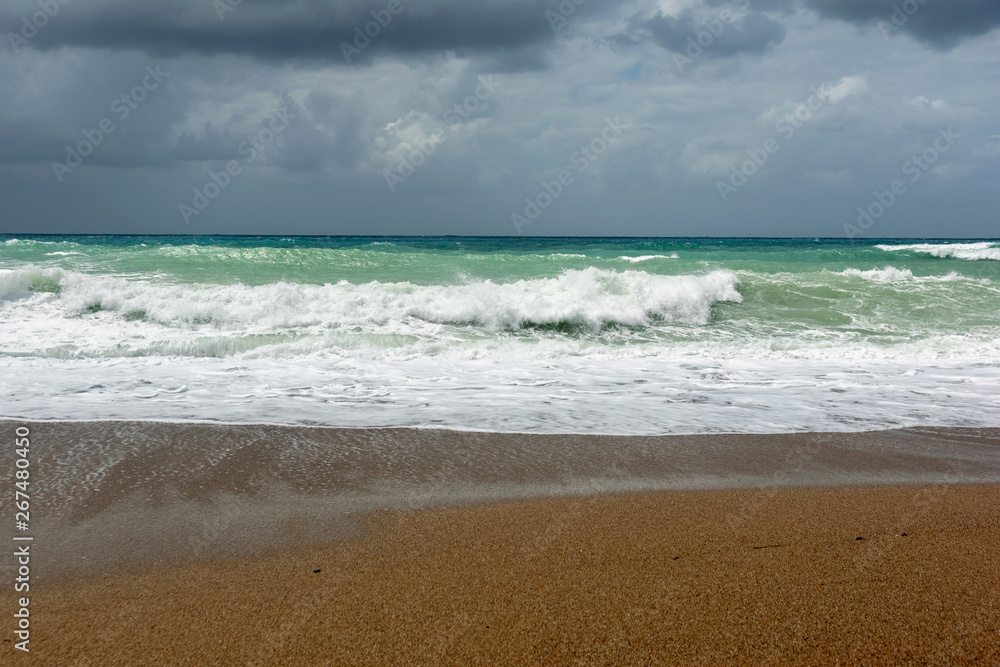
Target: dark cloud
45,114
327,132
292,29
214,144
325,172
941,23
514,32
782,6
753,33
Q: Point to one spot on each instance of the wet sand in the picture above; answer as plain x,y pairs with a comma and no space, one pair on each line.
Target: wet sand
198,544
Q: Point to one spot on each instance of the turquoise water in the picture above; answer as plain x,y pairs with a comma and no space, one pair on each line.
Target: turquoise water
483,332
257,260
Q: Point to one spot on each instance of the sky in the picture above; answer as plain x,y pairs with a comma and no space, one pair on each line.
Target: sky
800,118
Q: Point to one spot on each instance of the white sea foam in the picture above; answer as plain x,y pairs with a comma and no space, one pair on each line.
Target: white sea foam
639,396
970,251
889,274
592,350
645,258
589,298
22,282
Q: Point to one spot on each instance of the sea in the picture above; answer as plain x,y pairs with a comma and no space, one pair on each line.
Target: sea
550,335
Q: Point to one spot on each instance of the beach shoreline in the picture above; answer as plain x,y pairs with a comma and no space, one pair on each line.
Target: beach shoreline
127,495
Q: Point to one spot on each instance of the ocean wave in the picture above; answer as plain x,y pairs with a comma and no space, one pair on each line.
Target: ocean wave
590,298
969,251
17,283
645,258
889,274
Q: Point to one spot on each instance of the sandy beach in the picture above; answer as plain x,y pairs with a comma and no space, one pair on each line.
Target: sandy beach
874,548
665,578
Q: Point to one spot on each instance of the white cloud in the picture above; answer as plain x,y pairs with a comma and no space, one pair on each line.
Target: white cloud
848,86
922,102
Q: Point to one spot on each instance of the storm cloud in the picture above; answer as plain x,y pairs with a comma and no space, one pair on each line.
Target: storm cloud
443,116
316,29
942,23
752,33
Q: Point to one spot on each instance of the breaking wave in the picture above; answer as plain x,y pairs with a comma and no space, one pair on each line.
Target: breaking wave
590,298
970,251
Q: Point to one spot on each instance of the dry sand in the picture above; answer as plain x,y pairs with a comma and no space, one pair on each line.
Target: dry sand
679,577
